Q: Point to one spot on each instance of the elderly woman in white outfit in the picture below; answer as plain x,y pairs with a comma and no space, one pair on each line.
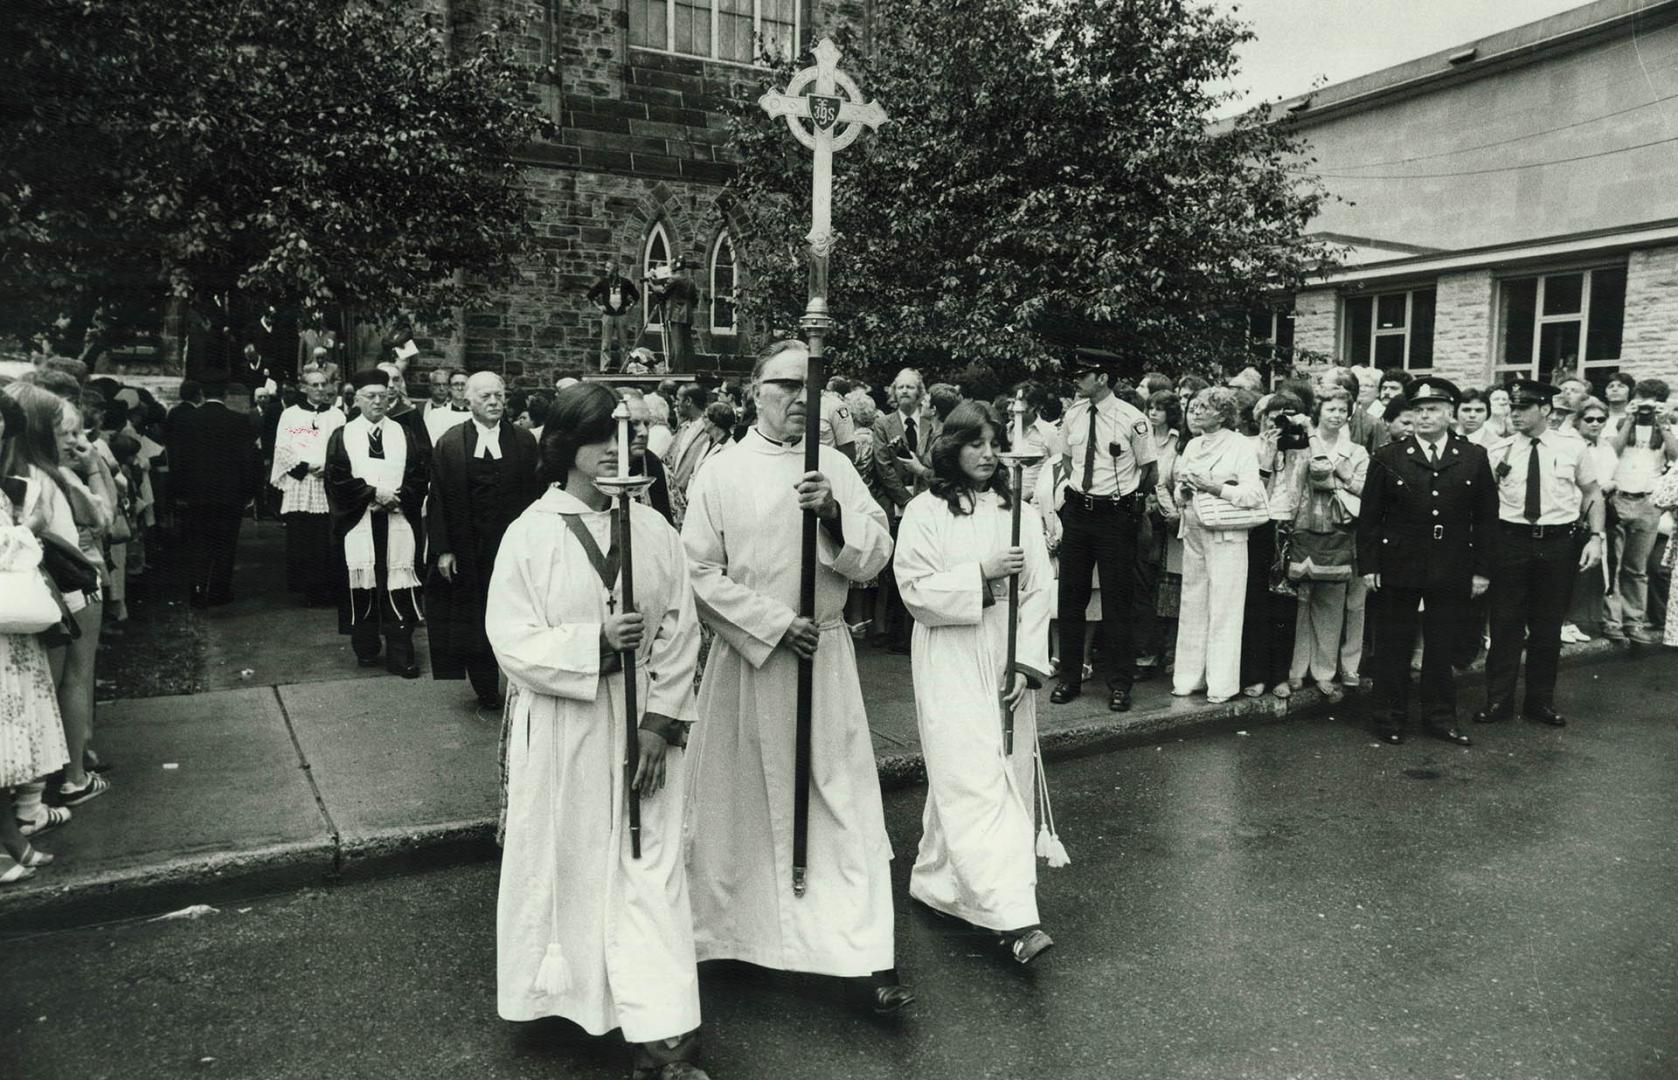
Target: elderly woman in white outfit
1220,463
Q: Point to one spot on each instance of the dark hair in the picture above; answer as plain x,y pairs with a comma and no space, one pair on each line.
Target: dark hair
215,390
1153,382
115,415
1167,400
38,444
944,398
191,390
580,414
965,423
1625,377
12,425
1397,375
694,393
1472,393
538,406
1191,385
1651,388
1346,380
123,447
1284,401
721,413
1301,391
1397,407
839,385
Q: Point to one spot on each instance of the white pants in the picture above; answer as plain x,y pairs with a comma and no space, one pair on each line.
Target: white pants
1208,630
1351,643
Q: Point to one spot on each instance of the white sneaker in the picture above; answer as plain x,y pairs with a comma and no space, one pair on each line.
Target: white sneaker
1573,635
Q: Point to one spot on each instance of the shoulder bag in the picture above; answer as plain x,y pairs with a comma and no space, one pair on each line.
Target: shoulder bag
1221,514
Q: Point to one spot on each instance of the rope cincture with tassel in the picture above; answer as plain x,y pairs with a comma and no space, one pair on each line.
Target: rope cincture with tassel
1049,846
553,976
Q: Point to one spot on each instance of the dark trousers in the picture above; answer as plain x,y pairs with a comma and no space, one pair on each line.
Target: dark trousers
212,536
1532,587
1395,619
898,621
390,613
1267,628
1103,539
681,347
1150,565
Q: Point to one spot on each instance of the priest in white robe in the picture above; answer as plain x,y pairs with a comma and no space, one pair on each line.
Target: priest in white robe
953,563
742,535
584,930
298,473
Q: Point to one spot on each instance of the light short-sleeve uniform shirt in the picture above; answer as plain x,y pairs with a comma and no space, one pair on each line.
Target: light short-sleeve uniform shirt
1566,467
837,427
1124,444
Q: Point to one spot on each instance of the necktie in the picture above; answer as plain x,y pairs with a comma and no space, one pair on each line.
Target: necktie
909,438
1089,456
1432,455
375,443
1535,505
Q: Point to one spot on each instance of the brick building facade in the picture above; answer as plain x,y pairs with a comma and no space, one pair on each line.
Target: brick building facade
1508,207
635,174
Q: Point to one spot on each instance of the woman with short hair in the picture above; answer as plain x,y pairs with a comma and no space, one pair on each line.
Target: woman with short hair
585,930
953,561
1221,465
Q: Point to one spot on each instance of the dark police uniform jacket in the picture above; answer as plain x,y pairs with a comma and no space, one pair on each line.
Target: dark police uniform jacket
1426,528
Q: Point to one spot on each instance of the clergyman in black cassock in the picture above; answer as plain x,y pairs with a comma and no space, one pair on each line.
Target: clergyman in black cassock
1425,532
376,480
483,476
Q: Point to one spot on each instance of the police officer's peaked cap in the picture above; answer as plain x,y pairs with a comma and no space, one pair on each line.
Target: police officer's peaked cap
1429,388
1530,392
370,377
1100,361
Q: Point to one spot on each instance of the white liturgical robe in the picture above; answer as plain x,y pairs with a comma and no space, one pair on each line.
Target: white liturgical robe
742,535
621,925
976,858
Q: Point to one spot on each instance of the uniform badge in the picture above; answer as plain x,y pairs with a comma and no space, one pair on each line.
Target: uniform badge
1141,427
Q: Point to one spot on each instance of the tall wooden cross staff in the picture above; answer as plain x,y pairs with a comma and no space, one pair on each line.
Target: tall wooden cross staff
835,123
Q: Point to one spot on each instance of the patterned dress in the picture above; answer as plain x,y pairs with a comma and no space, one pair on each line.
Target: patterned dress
31,731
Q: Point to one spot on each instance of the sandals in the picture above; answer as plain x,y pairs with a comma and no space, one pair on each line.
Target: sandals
1282,690
16,872
35,859
96,786
52,817
1027,945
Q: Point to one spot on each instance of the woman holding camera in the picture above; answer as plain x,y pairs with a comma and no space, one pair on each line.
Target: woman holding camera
1323,551
1220,464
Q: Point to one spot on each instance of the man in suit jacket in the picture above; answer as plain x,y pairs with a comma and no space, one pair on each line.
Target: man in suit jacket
902,449
1425,535
483,476
212,470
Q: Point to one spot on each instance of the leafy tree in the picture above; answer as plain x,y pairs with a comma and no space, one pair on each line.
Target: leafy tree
1049,178
324,152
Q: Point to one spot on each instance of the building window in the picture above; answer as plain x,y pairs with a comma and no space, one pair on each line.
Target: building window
1548,323
1392,330
722,285
716,29
655,259
1270,340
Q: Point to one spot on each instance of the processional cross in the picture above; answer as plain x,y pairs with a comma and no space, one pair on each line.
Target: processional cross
827,113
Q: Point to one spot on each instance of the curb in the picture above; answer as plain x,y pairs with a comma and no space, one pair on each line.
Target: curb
225,878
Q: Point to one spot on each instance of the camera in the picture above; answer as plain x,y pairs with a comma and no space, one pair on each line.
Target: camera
1294,429
1645,414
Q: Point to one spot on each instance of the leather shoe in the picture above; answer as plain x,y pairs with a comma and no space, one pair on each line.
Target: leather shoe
368,661
410,670
1493,713
1543,714
1065,692
891,1000
1118,701
1450,735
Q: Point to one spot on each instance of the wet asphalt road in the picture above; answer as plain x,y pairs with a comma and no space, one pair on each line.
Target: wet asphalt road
1297,902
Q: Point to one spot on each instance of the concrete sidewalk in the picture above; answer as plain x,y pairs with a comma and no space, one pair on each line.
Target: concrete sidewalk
296,767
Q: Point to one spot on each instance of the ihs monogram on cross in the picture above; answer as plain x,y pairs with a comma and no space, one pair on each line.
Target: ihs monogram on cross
826,112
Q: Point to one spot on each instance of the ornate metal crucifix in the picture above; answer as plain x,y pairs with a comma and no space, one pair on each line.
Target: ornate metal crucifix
835,122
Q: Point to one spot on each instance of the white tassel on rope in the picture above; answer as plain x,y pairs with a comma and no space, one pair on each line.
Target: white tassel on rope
553,978
1049,846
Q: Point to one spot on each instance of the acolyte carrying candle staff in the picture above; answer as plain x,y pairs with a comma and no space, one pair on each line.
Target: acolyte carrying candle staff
624,486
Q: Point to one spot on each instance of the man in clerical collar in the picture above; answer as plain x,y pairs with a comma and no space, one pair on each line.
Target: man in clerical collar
483,475
1545,478
1426,531
375,482
300,440
438,381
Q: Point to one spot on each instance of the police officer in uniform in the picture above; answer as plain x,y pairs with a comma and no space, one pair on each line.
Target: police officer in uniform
1426,533
1543,478
1109,453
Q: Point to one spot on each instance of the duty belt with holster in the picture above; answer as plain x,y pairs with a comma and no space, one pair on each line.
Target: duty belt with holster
1133,503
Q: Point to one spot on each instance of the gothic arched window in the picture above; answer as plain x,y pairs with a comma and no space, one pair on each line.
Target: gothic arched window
722,284
655,255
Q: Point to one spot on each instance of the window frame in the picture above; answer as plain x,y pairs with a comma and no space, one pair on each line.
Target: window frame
657,231
1375,331
670,49
723,239
1502,370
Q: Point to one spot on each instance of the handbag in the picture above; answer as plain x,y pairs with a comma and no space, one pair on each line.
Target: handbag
70,570
1216,513
26,603
1344,510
